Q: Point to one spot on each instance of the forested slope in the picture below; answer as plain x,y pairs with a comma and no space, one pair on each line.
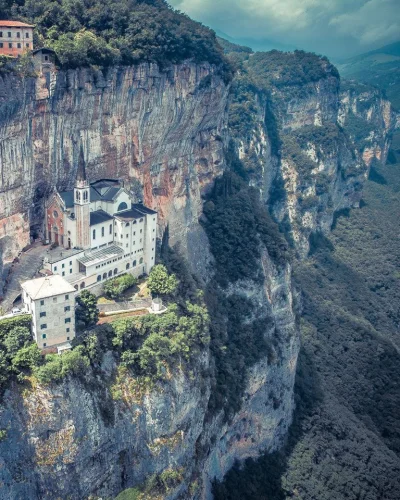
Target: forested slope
345,440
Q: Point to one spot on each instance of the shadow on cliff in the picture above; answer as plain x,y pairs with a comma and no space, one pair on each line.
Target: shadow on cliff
262,479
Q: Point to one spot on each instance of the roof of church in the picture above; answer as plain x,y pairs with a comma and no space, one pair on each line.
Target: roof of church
102,190
92,257
49,286
141,208
129,214
99,216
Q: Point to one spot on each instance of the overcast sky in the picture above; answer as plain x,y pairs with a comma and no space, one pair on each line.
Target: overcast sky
337,28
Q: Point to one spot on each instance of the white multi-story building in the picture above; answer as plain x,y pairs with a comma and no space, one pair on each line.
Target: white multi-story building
99,231
51,302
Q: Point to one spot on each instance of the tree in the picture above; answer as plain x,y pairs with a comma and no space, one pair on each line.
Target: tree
15,339
160,282
27,357
86,312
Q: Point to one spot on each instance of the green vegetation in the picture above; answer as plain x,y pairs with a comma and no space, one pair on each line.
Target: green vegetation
57,367
345,439
160,282
17,350
157,486
238,227
150,344
114,288
288,69
359,130
92,33
86,312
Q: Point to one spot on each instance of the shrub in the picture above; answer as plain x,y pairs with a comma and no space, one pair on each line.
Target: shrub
160,282
114,288
86,312
15,339
57,367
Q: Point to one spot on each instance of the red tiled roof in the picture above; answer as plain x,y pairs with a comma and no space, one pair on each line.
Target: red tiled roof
15,24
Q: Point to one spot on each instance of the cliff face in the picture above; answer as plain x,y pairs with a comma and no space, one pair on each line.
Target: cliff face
159,131
309,149
164,133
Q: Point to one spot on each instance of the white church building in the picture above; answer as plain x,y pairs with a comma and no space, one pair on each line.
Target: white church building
99,231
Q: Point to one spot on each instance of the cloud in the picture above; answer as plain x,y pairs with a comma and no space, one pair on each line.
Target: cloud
375,21
336,27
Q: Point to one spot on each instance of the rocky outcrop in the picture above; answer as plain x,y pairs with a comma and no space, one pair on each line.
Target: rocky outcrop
268,404
100,435
160,131
369,119
310,147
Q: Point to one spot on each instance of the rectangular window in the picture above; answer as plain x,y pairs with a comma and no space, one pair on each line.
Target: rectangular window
94,234
102,231
67,320
67,308
42,314
127,236
42,302
1,45
54,299
55,268
26,35
67,297
63,273
67,337
44,336
110,228
18,45
10,45
70,271
18,34
46,58
44,345
67,330
63,266
70,262
1,34
43,327
9,34
27,45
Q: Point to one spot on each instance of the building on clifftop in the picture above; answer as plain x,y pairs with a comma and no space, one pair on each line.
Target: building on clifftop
99,231
51,302
16,38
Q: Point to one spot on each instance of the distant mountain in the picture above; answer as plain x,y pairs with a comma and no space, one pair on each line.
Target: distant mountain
379,67
262,45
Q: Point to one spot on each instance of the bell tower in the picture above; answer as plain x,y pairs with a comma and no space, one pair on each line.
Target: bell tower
82,205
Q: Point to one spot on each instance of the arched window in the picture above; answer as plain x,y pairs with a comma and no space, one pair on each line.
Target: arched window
115,271
78,196
134,263
82,285
99,277
109,274
122,206
85,196
76,287
128,266
141,260
104,276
